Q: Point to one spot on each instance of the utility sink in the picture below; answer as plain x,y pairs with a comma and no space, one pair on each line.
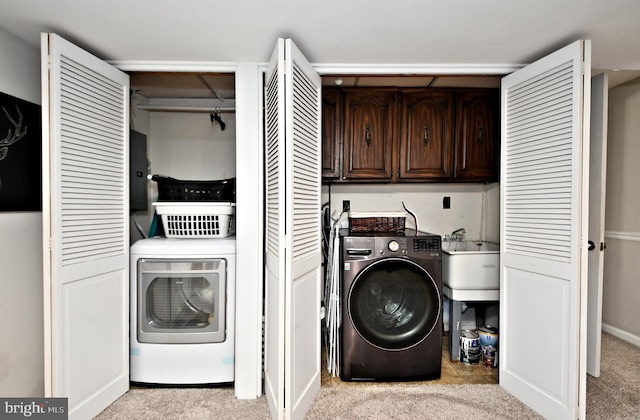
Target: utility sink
471,265
470,272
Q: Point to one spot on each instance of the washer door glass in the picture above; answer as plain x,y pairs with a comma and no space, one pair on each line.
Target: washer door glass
394,304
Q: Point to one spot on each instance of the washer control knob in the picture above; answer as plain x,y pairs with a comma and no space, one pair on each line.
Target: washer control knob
393,246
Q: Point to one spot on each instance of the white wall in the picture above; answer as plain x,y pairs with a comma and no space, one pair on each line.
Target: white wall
188,146
492,213
621,292
474,207
21,315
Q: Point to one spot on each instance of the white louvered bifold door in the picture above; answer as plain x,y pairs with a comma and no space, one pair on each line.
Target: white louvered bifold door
543,231
293,274
274,235
85,227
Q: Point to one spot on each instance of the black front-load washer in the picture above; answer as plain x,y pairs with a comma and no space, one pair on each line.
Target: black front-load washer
391,306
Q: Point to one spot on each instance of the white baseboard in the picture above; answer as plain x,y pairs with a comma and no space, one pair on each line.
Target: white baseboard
621,334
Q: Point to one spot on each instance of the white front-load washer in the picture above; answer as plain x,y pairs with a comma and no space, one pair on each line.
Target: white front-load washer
182,311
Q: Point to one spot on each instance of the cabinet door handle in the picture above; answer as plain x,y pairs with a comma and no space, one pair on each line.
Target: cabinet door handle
426,135
368,135
480,134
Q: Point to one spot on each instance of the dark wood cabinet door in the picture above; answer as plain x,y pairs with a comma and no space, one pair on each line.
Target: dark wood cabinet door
426,148
369,124
331,133
477,136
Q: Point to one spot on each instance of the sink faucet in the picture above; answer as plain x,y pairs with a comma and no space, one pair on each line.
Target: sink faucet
456,235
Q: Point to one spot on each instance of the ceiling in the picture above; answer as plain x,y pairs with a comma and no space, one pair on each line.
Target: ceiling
462,34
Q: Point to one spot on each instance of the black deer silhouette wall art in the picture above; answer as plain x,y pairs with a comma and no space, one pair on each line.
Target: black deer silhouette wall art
20,155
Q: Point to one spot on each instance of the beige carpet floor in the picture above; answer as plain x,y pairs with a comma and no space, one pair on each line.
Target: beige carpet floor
614,395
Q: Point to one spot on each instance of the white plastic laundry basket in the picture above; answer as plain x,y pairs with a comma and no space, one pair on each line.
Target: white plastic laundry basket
197,220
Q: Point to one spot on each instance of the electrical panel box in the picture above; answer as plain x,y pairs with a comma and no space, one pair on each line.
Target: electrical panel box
139,169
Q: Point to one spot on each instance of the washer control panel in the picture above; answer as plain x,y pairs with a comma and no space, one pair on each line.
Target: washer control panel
401,246
364,247
426,244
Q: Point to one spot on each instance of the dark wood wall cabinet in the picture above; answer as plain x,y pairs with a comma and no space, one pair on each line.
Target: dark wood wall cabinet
410,135
369,134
